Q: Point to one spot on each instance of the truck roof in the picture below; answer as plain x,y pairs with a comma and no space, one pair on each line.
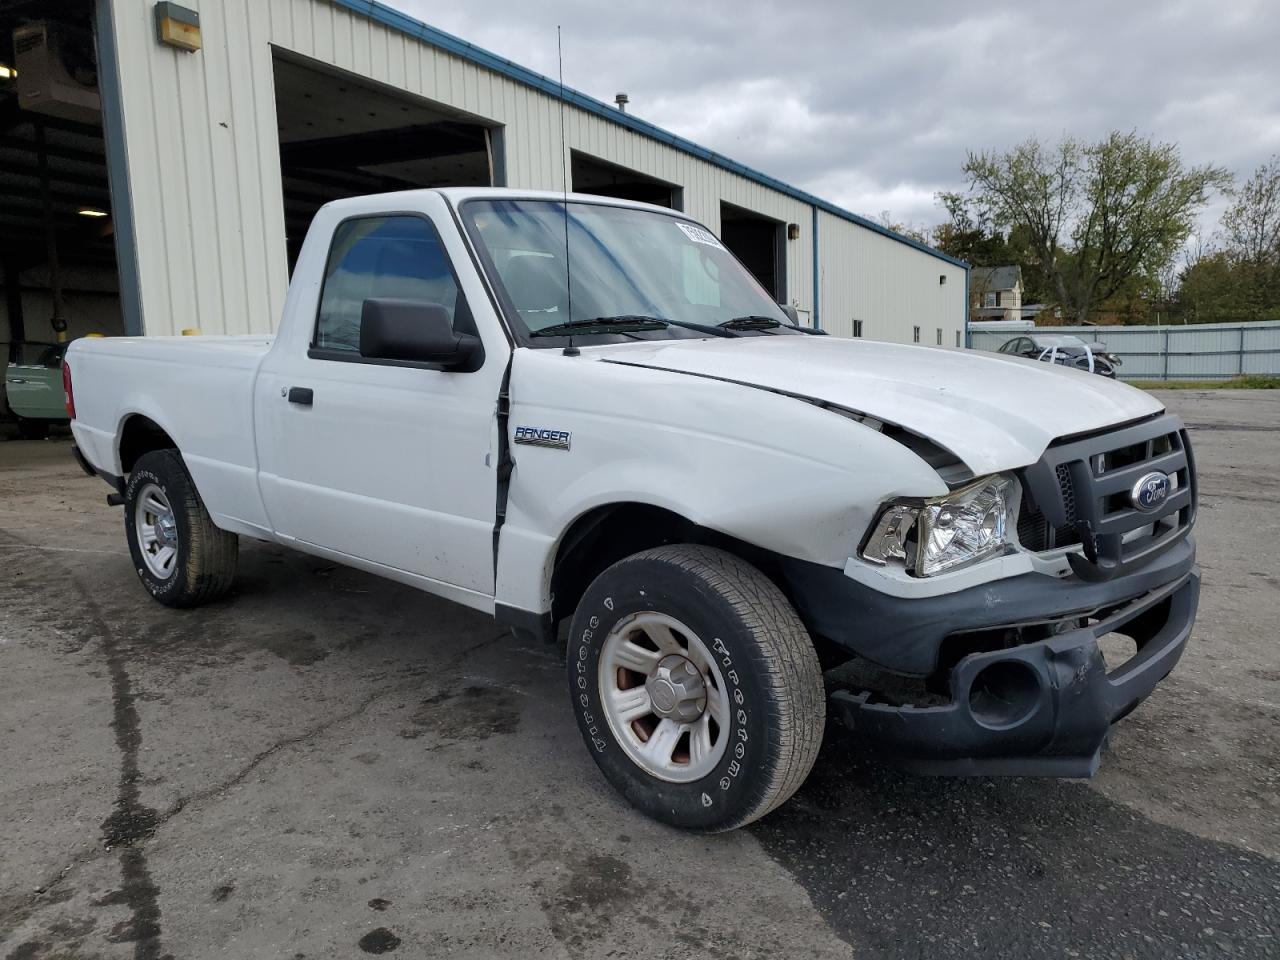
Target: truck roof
456,195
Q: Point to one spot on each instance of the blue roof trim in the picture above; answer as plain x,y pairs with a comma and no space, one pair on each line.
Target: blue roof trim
381,13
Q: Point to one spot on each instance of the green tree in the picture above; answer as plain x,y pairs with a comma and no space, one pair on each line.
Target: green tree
1095,216
1220,288
970,236
1252,222
1242,280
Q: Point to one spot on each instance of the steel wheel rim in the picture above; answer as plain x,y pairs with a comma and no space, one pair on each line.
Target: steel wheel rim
654,731
157,530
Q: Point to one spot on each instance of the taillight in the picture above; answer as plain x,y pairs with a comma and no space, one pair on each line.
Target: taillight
66,388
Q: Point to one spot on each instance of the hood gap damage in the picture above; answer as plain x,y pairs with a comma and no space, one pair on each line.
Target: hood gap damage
953,471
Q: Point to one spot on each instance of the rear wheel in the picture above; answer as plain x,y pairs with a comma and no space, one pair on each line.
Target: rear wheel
181,557
696,687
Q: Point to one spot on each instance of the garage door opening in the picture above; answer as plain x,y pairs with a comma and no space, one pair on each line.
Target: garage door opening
760,243
58,276
341,136
603,179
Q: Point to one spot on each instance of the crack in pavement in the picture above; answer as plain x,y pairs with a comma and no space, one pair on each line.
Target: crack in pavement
318,730
129,832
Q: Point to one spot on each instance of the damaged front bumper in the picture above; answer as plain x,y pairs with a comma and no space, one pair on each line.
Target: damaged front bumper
1043,708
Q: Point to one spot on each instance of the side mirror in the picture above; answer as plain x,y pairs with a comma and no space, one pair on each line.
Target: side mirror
417,331
792,313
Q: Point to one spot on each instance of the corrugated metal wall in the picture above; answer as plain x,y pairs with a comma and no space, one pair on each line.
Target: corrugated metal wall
1197,351
890,287
203,161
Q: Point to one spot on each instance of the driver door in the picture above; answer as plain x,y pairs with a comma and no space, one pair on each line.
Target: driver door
390,462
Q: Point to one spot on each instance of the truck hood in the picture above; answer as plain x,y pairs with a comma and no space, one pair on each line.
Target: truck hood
993,412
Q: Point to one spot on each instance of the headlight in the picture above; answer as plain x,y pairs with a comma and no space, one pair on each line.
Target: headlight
932,536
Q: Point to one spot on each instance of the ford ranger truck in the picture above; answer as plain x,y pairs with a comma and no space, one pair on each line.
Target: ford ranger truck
728,515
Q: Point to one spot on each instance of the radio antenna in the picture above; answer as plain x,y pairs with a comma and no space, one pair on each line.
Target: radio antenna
570,350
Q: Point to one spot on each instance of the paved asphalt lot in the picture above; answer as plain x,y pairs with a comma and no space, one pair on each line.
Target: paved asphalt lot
329,765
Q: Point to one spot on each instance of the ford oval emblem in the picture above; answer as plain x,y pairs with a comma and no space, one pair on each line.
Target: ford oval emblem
1151,490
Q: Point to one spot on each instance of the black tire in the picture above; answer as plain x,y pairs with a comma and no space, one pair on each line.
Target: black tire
762,650
33,429
205,565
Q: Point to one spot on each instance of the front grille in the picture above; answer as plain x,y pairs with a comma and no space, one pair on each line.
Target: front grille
1068,493
1033,528
1080,489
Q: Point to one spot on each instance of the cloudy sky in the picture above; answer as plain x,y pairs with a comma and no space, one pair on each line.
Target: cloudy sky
872,104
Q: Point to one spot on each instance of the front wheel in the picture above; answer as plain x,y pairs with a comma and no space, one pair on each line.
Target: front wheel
181,557
696,687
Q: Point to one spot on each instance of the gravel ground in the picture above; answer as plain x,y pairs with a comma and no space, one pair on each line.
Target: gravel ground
329,765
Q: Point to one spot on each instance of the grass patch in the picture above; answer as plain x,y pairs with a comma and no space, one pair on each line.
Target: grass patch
1251,382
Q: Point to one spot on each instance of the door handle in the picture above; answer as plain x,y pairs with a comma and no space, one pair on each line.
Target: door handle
301,396
16,380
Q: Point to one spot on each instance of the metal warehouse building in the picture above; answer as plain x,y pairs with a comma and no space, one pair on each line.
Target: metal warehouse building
160,164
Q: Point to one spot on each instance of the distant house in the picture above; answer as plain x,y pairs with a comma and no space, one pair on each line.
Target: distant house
995,293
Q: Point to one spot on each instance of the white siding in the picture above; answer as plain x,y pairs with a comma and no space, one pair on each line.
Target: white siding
202,155
888,285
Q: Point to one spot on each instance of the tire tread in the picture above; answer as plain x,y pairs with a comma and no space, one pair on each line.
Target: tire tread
212,553
787,660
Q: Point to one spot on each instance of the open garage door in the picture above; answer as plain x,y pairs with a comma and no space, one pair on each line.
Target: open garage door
609,180
760,243
341,136
57,245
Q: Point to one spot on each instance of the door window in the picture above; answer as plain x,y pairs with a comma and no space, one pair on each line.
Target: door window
395,257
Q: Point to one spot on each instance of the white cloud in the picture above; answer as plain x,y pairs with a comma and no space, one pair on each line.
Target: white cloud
873,105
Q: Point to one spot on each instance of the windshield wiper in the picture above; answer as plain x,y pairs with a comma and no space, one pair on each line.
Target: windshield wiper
626,323
751,322
620,324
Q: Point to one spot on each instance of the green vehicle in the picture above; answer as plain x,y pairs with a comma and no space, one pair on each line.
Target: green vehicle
33,386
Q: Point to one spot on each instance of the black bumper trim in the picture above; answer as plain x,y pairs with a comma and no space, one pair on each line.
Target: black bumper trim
1065,714
904,634
116,483
84,464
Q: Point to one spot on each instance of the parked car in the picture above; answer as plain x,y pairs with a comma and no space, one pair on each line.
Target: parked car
33,386
1064,349
705,496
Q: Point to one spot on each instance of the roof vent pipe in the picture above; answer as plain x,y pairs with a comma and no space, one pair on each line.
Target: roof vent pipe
621,99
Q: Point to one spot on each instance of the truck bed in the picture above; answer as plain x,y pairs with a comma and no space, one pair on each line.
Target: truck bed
199,390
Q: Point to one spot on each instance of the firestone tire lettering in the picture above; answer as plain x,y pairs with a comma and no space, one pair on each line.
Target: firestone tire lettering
773,727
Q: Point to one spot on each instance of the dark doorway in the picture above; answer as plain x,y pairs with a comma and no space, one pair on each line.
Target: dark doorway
760,243
57,255
58,276
341,136
603,179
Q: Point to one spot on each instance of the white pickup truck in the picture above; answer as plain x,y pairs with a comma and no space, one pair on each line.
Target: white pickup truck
721,505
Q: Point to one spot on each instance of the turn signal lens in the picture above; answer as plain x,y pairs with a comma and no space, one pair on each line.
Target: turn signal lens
889,539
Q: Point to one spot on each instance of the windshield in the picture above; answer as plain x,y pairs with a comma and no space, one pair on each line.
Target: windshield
636,274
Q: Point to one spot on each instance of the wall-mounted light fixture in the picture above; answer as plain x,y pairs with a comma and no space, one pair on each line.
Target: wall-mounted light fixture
942,279
178,26
793,231
91,212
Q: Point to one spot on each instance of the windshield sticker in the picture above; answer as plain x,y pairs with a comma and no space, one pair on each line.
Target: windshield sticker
698,234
